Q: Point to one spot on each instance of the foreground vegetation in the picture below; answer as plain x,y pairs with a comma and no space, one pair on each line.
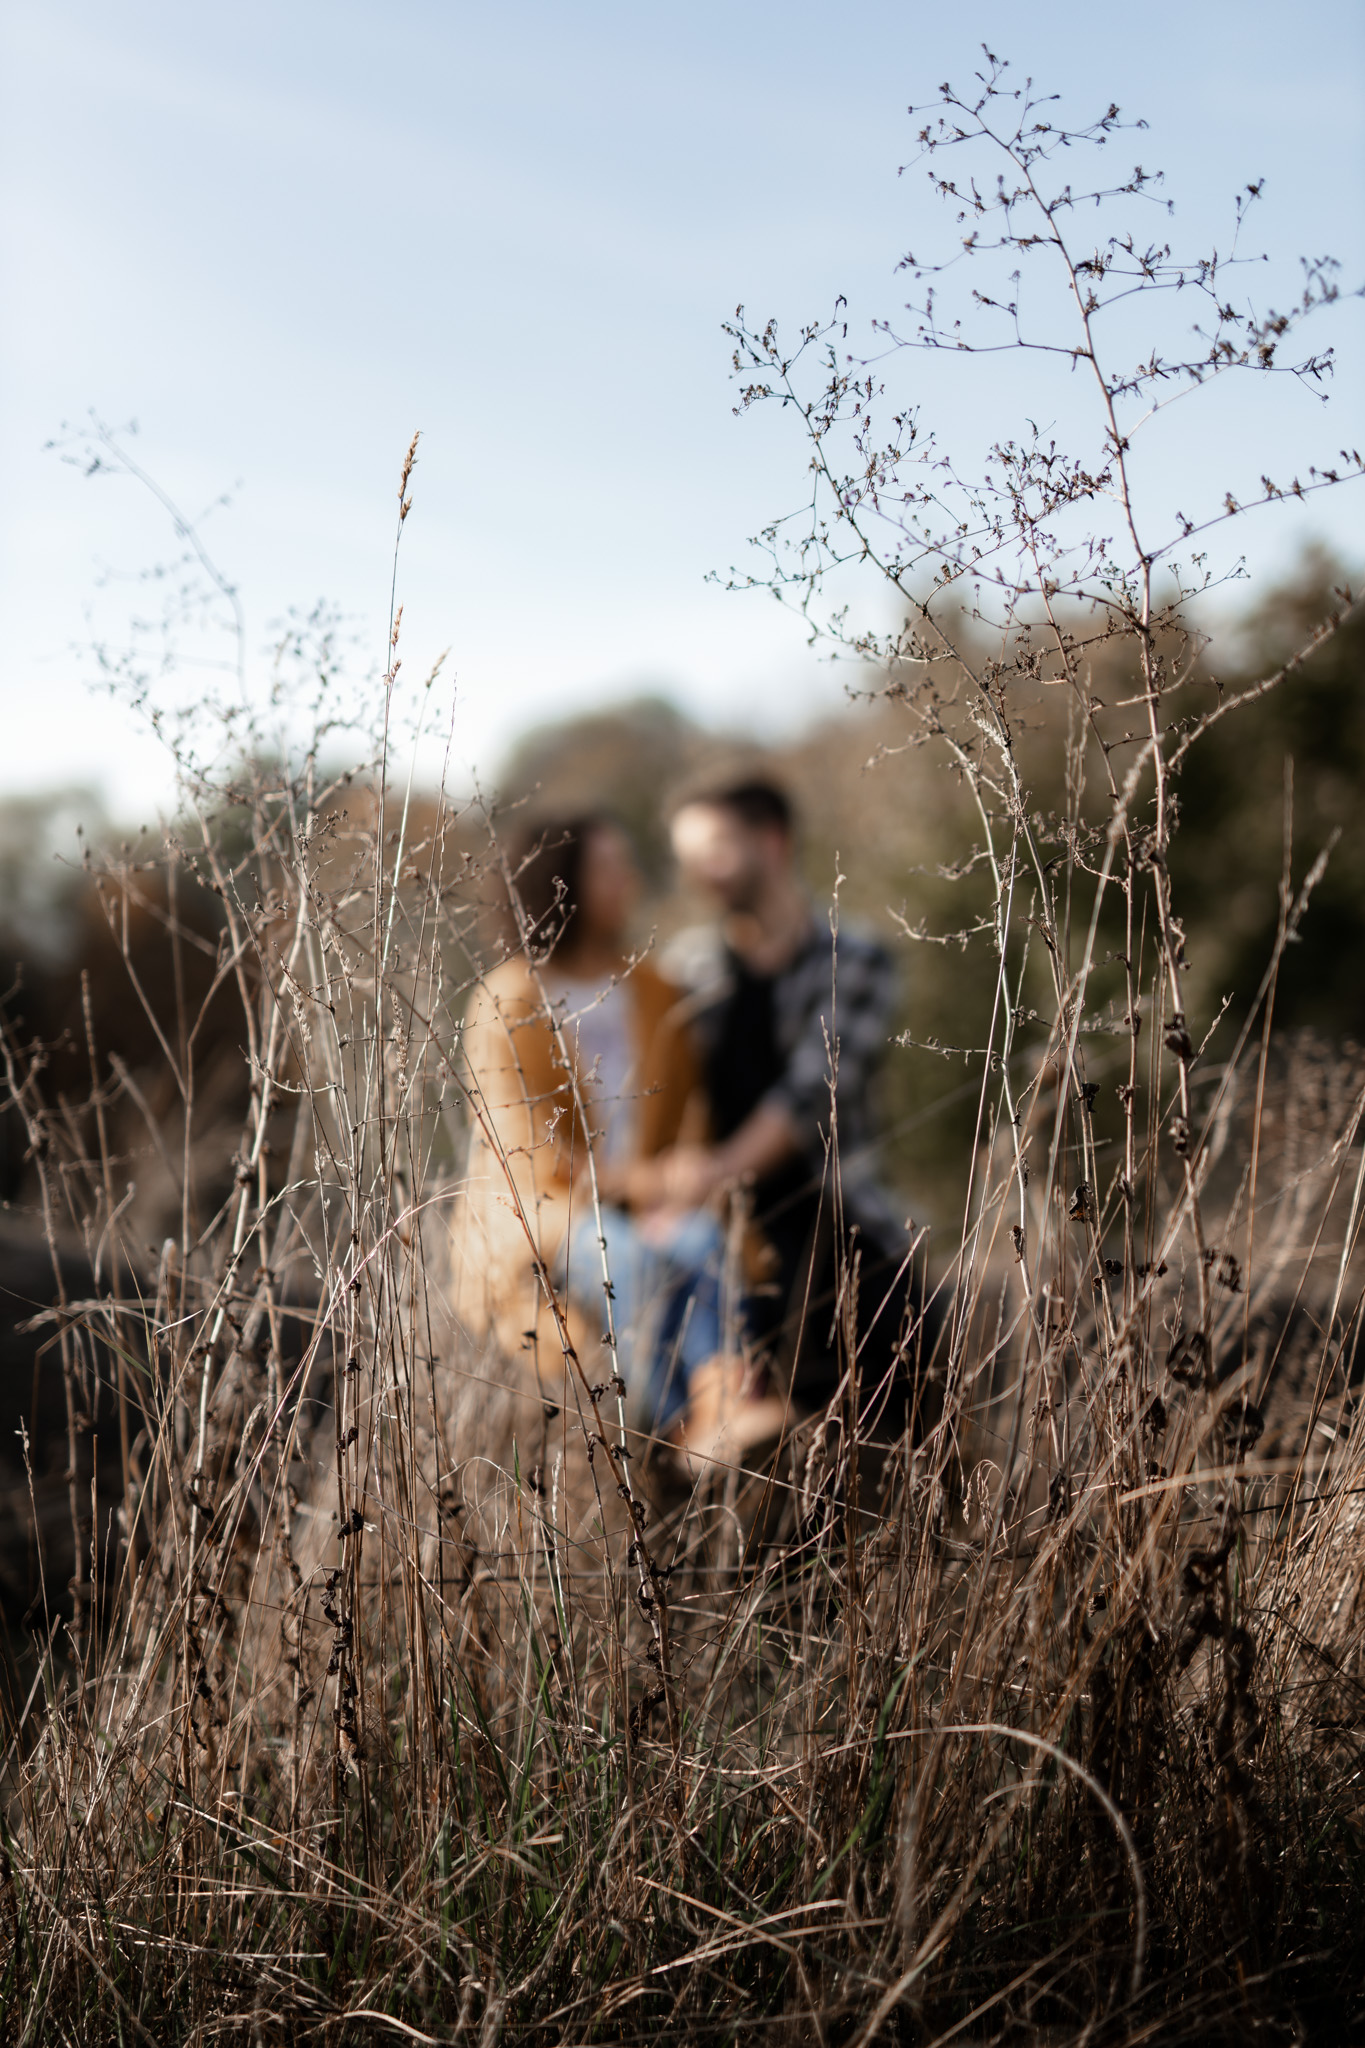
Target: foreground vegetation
399,1690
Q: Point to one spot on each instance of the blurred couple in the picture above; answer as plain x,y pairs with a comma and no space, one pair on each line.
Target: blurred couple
710,1086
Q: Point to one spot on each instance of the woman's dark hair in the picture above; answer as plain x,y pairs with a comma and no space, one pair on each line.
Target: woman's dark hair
547,870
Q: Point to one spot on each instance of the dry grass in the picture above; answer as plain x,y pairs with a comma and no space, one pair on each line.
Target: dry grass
1043,1725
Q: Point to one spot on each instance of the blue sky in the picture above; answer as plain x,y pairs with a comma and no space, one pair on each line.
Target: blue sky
283,236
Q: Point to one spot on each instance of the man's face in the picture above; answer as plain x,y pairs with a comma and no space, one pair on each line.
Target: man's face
717,851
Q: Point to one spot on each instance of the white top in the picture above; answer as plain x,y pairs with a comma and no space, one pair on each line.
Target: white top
596,1024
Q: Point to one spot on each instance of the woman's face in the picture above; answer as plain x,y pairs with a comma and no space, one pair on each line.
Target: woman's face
608,885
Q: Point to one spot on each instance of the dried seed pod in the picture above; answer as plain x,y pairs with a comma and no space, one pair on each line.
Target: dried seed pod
1202,1567
1188,1358
1243,1428
1176,1039
1230,1273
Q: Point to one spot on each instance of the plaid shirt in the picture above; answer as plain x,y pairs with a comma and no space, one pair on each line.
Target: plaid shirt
837,997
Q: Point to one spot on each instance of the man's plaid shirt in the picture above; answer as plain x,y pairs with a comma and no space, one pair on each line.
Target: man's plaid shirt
833,1007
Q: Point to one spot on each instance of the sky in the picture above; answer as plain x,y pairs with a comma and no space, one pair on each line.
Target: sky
281,237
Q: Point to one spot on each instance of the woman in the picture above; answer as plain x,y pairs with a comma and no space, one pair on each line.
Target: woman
579,1064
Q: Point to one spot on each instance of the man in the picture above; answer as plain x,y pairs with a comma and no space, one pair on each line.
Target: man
783,1004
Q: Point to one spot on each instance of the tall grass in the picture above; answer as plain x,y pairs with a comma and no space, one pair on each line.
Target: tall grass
403,1695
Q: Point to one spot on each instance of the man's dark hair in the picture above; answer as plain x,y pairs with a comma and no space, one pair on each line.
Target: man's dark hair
754,800
547,869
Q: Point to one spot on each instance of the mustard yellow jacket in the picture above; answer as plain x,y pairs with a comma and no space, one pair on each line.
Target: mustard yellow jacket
528,1142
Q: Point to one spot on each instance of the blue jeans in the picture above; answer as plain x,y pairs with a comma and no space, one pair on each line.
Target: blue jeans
666,1299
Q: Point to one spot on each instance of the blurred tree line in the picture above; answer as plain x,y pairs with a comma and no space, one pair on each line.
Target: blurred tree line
889,814
880,810
1228,856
